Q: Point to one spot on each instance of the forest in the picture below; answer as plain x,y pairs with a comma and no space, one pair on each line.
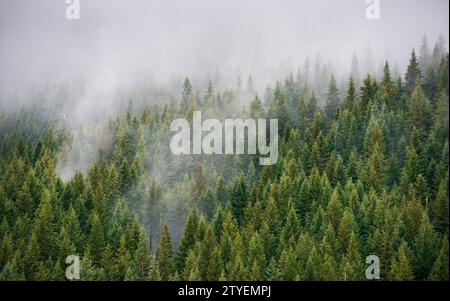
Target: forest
362,170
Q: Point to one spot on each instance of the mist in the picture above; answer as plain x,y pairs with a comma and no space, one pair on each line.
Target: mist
121,52
117,46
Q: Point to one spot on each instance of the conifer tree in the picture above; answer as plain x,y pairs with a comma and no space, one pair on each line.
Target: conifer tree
191,272
413,74
426,249
186,94
440,266
239,198
441,208
332,101
164,255
351,264
400,269
188,240
96,240
205,263
44,226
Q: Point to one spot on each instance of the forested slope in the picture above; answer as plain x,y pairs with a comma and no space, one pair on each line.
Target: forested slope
360,172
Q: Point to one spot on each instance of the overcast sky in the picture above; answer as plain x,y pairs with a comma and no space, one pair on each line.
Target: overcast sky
117,41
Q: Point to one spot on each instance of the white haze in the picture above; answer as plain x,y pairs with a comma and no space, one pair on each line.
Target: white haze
117,45
133,49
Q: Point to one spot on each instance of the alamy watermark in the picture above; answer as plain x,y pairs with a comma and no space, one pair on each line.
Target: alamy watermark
73,270
373,10
233,133
373,270
73,9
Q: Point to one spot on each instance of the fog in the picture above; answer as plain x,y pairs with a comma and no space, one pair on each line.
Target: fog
81,70
117,46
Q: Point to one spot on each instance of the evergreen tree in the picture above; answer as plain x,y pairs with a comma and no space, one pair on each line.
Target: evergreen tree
44,225
188,240
401,270
164,255
413,74
424,55
239,198
441,208
425,249
186,93
351,265
332,101
96,241
440,267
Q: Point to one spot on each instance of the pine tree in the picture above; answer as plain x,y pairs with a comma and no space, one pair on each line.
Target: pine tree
442,110
440,267
419,115
215,268
291,230
443,80
96,240
430,84
186,94
164,255
236,263
328,269
311,272
205,263
6,250
272,221
425,55
355,69
425,249
72,226
44,226
32,258
122,260
345,230
256,109
441,208
288,265
142,261
350,98
404,268
25,201
191,272
65,246
368,91
413,74
334,210
273,272
332,101
375,171
351,264
387,88
188,240
239,198
256,258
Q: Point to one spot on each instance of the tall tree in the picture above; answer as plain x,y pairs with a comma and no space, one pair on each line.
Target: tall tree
164,255
413,74
186,93
332,101
188,240
424,54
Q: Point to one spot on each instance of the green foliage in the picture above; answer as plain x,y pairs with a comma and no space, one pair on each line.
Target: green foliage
164,255
413,74
368,176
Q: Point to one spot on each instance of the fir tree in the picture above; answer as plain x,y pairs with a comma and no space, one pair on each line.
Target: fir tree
164,255
332,101
413,74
